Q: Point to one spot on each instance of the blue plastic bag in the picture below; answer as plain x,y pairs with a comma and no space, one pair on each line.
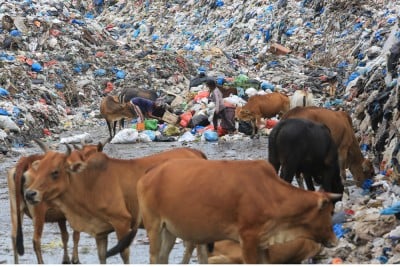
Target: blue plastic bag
36,67
339,230
150,134
59,86
120,74
100,72
395,208
15,33
4,92
211,136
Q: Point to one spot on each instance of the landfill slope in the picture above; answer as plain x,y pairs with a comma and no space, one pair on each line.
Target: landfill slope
58,59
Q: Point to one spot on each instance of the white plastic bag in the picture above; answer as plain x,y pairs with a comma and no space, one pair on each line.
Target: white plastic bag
85,137
125,136
7,123
186,137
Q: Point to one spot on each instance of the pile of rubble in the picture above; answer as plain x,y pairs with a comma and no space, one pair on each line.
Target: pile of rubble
59,58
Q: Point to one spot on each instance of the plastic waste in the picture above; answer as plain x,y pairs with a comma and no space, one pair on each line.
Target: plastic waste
125,136
210,136
36,67
395,208
4,92
76,139
187,137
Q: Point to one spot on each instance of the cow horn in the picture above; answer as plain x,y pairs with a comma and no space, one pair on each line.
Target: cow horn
101,145
68,150
41,145
76,147
334,196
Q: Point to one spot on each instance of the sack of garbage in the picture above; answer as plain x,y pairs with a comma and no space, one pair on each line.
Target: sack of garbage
7,123
125,136
77,139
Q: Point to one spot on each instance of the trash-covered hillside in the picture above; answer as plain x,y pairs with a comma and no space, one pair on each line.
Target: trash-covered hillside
59,58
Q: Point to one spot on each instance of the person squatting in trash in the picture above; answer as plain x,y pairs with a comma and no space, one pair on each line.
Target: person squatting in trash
144,108
221,112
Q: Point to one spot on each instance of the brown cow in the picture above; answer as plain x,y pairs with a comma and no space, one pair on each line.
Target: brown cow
113,111
292,252
341,127
229,252
97,195
39,213
204,201
262,106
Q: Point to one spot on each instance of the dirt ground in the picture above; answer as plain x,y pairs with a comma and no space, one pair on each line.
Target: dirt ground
51,239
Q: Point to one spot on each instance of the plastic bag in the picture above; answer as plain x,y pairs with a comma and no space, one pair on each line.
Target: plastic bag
85,137
210,136
151,124
150,134
7,123
186,137
125,136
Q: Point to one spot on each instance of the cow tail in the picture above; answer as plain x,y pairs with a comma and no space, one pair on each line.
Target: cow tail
18,196
272,153
304,100
122,244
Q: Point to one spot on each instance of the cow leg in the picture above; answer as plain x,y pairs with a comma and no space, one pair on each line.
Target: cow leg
202,254
254,128
115,128
342,165
250,250
309,182
109,128
122,123
287,174
15,212
189,247
154,234
101,242
38,223
64,237
299,179
167,243
75,255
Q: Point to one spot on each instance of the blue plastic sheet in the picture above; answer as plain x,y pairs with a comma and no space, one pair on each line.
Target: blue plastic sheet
395,208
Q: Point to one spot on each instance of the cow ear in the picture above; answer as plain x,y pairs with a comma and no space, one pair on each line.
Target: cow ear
323,203
76,167
35,164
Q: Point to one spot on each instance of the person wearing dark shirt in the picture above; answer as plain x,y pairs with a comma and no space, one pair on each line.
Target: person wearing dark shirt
145,107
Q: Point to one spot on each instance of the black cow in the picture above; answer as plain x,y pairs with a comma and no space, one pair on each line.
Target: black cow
303,146
128,93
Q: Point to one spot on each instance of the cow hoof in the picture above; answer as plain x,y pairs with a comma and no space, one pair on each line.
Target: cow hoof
66,262
76,262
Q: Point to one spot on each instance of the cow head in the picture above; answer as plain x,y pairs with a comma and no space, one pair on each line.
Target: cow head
368,168
319,219
49,177
244,114
313,222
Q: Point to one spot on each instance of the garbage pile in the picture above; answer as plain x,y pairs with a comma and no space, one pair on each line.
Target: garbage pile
58,59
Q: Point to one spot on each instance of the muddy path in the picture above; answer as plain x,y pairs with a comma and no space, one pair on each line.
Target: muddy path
51,239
